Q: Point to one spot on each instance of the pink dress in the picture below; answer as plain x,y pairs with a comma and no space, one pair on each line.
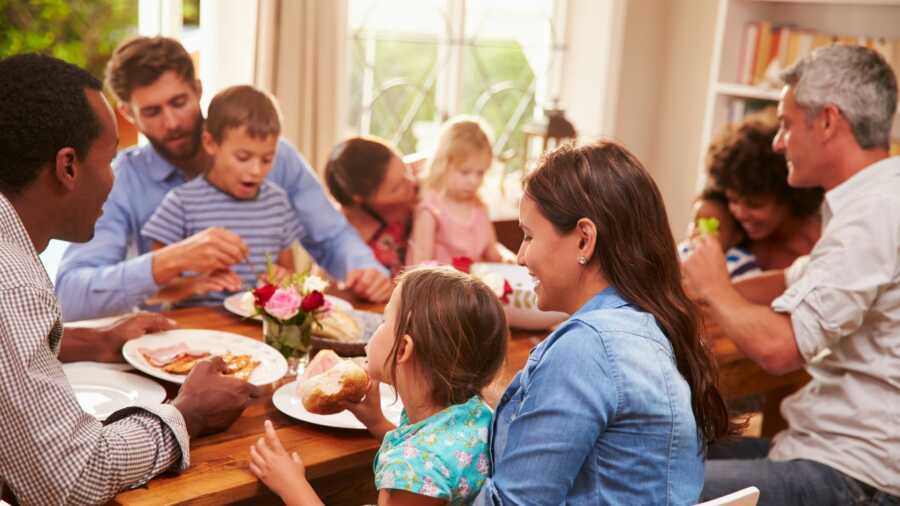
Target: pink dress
454,236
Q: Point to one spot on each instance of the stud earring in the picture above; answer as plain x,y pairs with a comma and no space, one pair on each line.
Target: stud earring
582,260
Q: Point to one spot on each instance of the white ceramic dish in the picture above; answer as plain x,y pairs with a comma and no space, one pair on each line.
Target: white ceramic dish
287,401
521,311
236,304
271,368
101,392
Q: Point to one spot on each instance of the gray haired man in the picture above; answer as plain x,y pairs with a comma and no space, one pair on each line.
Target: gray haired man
837,315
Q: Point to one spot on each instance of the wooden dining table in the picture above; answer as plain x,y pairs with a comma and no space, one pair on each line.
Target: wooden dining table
339,461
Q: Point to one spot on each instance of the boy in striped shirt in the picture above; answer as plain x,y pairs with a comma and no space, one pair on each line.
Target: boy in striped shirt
241,135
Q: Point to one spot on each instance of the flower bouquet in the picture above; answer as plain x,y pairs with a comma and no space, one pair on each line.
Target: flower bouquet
289,308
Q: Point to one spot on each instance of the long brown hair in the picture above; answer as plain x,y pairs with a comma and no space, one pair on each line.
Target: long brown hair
606,184
459,329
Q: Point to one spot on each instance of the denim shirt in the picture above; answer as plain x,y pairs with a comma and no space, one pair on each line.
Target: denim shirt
599,415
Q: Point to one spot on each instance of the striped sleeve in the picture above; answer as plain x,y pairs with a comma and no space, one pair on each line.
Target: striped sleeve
168,224
293,229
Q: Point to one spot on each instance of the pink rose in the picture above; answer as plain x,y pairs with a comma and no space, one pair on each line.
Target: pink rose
284,304
313,300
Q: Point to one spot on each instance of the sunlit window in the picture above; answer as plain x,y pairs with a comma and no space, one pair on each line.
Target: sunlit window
415,63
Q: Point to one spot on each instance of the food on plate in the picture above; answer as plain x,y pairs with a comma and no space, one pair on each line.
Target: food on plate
180,359
240,366
340,326
344,380
166,355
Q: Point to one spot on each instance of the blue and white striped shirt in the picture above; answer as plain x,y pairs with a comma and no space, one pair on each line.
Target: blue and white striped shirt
268,224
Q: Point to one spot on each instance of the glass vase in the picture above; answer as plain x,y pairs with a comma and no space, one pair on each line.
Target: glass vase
291,340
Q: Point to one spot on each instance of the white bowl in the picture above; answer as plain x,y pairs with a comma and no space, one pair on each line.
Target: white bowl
521,310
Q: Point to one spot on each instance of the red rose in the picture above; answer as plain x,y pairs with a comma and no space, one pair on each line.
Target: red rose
262,294
507,291
313,300
462,264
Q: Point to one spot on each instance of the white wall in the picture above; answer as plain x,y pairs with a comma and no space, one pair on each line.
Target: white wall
650,94
228,42
687,57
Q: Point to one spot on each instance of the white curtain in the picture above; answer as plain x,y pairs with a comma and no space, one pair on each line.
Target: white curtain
300,59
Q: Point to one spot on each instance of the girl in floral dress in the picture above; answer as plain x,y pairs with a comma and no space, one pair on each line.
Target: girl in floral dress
442,341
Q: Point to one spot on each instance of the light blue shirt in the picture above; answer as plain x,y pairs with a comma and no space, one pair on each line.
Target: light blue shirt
599,415
112,274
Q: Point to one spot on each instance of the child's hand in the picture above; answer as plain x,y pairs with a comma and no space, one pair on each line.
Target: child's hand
279,275
270,462
368,411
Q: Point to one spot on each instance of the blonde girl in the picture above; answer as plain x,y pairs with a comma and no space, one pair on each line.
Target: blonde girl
451,220
443,340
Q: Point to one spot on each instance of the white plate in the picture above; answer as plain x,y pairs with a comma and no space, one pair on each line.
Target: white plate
271,368
234,305
109,366
102,392
287,401
521,311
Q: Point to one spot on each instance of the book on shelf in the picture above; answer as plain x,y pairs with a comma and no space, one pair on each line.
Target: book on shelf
767,49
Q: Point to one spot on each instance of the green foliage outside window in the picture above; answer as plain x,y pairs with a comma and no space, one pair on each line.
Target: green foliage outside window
83,32
411,58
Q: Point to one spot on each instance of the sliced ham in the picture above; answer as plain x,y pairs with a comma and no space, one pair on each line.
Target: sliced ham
161,357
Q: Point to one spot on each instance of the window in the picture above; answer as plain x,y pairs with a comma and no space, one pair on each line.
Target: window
415,63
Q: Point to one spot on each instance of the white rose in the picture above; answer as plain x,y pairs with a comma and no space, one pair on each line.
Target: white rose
248,302
314,283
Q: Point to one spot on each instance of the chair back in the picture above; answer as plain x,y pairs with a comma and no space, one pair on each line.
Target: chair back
745,497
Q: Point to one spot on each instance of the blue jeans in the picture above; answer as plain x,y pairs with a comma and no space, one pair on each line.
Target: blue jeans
742,463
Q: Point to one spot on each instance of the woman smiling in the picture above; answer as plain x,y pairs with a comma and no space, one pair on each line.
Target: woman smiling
618,404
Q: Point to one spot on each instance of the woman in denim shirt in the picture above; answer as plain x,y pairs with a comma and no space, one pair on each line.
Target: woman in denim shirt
618,404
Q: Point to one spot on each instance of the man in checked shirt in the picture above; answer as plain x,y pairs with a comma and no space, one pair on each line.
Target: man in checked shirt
57,138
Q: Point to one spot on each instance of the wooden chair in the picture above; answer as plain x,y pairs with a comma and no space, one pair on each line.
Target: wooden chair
745,497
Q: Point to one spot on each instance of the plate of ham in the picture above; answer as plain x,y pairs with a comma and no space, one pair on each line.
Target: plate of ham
170,355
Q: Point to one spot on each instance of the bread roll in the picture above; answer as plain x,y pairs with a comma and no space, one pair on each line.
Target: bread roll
323,393
339,326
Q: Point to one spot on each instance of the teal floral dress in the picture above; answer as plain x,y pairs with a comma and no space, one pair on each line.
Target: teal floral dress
444,456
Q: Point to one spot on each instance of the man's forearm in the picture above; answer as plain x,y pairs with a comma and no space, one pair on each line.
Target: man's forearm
166,263
94,291
762,288
80,344
763,335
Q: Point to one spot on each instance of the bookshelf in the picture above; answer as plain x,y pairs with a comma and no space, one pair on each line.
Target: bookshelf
727,94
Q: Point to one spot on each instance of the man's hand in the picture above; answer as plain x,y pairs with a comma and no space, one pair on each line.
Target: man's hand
704,270
370,284
128,328
214,249
192,286
211,401
105,344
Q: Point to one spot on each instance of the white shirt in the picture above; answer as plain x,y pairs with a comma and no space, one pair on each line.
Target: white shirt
847,300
